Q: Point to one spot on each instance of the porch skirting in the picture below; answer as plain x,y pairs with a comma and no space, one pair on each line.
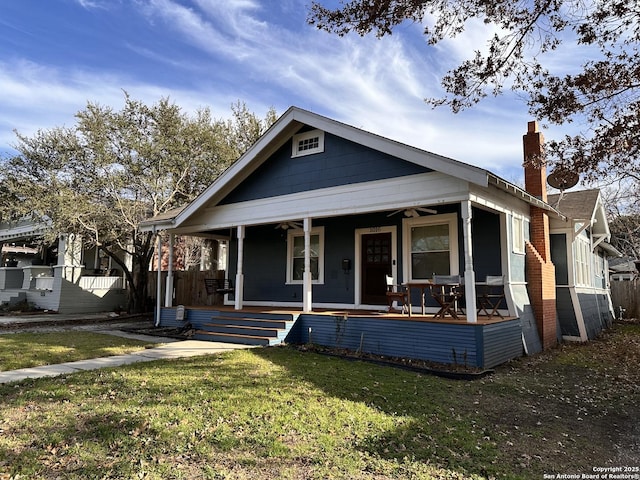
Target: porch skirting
472,345
481,345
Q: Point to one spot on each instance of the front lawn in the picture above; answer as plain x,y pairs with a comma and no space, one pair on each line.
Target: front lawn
281,413
23,350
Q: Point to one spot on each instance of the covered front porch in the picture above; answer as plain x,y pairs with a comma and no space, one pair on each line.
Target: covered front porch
342,262
486,343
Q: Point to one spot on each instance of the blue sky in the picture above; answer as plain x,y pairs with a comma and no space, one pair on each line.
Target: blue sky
56,55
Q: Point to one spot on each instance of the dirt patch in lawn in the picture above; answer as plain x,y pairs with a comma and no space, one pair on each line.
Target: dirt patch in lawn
577,398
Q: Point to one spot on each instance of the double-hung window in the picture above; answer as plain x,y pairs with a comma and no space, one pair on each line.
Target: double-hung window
582,253
296,255
518,234
432,246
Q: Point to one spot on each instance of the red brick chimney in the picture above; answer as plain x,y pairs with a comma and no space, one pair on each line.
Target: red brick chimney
540,271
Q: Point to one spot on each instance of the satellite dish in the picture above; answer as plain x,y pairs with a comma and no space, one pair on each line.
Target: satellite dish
563,179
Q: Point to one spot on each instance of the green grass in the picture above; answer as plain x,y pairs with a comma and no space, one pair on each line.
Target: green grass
23,350
281,413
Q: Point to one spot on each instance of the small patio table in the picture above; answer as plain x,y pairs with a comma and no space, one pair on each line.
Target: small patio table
421,285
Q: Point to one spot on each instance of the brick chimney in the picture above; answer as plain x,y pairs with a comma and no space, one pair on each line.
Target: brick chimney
540,271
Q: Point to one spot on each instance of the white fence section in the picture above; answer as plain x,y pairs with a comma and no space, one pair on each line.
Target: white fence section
101,283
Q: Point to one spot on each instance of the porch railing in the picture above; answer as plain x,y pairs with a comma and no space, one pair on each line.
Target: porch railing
101,283
44,283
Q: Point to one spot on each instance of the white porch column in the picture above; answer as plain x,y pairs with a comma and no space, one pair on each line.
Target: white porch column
69,257
469,274
239,275
159,278
307,298
168,294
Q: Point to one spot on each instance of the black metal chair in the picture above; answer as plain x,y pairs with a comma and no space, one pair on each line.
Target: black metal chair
222,287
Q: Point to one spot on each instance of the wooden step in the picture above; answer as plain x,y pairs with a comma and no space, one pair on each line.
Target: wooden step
249,321
231,338
241,329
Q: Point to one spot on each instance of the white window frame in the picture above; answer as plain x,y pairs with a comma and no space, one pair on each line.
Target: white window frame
451,219
582,262
293,233
517,234
599,270
296,151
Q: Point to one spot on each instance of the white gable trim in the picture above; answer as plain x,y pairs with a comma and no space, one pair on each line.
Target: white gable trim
286,126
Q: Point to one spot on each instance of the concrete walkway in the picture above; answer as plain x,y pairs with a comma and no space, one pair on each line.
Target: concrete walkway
170,348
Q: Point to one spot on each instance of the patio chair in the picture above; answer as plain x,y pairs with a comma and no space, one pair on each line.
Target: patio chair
490,296
446,290
396,293
222,287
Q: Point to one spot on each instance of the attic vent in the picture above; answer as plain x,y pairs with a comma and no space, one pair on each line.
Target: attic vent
308,143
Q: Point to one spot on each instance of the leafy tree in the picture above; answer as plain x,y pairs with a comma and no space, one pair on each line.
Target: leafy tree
622,201
113,169
603,93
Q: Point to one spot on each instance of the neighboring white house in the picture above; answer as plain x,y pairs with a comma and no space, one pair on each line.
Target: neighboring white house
65,277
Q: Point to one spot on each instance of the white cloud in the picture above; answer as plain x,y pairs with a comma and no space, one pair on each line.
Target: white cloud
89,4
38,97
377,85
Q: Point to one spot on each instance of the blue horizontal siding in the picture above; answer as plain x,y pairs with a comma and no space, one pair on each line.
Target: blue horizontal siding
502,342
196,317
342,163
431,341
265,257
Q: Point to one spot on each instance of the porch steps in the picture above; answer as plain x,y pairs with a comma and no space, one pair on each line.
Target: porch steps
246,328
11,297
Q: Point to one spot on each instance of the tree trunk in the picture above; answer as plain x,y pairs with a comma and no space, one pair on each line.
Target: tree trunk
138,295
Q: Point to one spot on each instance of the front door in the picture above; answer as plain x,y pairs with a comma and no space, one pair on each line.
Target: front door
375,261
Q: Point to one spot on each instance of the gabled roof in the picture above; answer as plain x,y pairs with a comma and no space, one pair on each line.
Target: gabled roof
586,206
289,124
623,265
579,205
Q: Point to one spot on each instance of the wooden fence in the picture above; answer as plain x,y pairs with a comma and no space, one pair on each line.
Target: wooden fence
189,287
626,295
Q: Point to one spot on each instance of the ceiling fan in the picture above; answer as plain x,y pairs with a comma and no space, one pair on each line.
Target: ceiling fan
289,225
413,212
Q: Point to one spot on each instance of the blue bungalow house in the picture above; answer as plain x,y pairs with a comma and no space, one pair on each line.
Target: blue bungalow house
317,213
